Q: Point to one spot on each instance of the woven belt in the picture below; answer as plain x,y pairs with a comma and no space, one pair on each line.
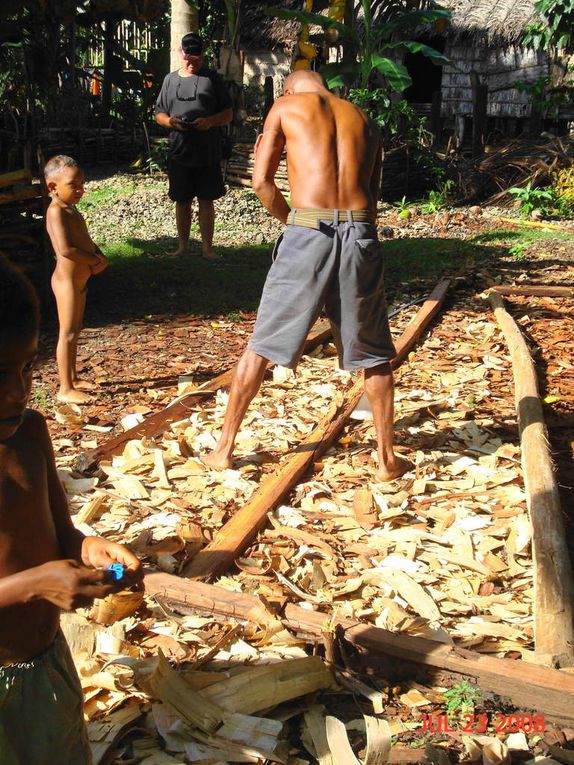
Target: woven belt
312,217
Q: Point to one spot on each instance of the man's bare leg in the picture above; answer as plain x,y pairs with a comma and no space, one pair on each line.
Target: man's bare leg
206,228
183,223
67,297
379,388
247,380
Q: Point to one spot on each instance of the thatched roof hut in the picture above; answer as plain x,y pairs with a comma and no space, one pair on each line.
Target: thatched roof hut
260,32
497,21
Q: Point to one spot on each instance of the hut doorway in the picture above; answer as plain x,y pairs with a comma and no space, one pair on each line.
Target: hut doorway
424,95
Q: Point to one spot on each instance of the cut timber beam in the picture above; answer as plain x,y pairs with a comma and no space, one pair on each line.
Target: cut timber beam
553,584
529,687
15,176
533,290
236,535
159,422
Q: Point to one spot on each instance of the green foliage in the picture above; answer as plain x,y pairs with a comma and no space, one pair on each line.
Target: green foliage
371,47
438,198
517,250
554,26
461,698
546,98
391,116
533,199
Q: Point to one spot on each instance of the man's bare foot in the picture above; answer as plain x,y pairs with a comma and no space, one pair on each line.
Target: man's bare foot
210,255
84,385
394,469
180,252
74,396
216,461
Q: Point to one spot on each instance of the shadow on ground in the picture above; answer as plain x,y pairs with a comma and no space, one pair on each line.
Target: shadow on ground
144,282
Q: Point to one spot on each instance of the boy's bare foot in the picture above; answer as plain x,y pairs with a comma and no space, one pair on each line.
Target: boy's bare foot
74,396
216,461
84,385
394,469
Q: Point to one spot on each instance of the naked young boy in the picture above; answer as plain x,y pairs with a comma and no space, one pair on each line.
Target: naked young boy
77,258
45,563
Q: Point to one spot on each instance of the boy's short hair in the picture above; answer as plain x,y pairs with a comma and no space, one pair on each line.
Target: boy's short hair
19,309
55,165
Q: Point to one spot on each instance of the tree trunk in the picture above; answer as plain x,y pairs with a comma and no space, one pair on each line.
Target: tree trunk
184,19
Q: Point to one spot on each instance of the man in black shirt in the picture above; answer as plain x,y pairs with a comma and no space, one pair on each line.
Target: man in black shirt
194,103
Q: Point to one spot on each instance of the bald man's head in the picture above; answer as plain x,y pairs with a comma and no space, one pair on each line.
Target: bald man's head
303,81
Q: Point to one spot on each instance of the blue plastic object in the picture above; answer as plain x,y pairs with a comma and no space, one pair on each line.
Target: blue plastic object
115,572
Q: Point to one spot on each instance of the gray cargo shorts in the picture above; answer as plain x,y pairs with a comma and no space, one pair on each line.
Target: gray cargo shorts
338,267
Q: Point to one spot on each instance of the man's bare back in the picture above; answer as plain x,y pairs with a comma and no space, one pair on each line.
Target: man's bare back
333,150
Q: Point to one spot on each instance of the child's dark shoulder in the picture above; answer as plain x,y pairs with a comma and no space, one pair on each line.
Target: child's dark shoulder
33,423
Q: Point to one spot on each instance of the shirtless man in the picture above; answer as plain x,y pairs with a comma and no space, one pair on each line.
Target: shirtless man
328,255
77,258
45,563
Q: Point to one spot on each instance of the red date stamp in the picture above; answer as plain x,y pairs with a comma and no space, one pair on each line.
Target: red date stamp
480,723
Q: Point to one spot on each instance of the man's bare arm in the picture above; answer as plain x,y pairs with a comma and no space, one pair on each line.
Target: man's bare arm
268,152
59,236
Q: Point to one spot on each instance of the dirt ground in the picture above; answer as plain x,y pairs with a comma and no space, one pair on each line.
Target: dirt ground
136,358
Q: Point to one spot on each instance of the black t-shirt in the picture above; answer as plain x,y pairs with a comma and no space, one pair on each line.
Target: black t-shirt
199,95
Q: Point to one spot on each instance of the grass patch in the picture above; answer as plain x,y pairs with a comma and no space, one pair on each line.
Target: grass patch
422,260
523,235
144,280
102,196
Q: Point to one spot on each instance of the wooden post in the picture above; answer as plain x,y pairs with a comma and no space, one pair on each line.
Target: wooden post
236,535
435,120
479,114
553,584
269,96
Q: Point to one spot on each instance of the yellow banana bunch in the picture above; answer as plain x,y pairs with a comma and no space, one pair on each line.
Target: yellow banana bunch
337,10
307,51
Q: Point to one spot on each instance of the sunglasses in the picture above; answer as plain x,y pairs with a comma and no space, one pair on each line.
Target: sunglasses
187,98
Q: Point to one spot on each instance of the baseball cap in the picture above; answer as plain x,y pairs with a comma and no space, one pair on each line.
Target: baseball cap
191,44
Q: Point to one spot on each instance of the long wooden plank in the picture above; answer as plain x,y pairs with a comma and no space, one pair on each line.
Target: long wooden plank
553,583
533,290
235,535
159,422
15,176
29,192
530,687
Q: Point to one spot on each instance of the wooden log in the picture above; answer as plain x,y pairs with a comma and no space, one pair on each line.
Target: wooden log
530,687
553,583
533,290
20,195
533,224
235,535
16,176
159,422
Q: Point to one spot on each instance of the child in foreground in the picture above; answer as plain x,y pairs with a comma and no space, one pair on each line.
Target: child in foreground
77,258
45,563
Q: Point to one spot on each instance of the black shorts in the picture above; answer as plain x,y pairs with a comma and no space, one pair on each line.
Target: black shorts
186,183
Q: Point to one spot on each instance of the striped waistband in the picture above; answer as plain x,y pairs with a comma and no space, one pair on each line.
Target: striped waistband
312,217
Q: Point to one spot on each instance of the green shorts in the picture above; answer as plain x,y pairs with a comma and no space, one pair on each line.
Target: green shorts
41,711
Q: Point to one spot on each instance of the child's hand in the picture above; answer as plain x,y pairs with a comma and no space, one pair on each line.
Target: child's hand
100,553
101,264
68,585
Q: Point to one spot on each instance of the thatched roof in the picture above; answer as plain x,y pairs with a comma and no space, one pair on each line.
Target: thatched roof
261,32
497,20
